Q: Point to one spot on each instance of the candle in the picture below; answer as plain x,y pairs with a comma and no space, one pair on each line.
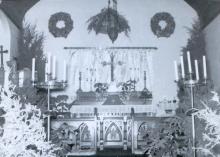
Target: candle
204,67
64,71
176,71
33,69
49,63
189,62
197,70
182,67
54,68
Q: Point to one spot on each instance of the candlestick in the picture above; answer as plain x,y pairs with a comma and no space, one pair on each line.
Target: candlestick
54,68
64,71
197,70
33,69
182,67
189,62
176,71
204,67
46,72
49,63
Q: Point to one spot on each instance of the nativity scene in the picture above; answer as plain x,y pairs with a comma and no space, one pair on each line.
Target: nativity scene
109,78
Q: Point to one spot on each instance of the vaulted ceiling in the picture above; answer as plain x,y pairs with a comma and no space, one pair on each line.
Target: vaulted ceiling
16,9
206,9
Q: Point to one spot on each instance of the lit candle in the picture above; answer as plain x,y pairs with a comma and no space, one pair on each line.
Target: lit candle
189,62
33,69
64,71
176,70
204,67
54,68
49,63
182,67
197,70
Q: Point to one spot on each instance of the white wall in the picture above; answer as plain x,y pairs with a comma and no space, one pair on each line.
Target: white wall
9,39
212,36
139,14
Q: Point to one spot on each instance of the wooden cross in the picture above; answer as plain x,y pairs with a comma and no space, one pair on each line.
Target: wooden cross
2,52
112,65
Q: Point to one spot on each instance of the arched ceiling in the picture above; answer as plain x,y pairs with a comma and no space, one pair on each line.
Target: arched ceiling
16,9
206,9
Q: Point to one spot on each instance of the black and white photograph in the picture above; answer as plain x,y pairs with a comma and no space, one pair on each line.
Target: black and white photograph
109,78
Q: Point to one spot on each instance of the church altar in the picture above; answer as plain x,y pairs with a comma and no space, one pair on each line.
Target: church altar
113,106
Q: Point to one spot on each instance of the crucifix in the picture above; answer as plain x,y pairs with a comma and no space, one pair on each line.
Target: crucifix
2,52
112,64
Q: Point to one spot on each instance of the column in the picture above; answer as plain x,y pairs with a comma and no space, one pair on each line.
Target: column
101,144
125,138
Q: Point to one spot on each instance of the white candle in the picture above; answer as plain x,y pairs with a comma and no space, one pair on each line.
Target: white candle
49,63
182,67
204,67
189,62
197,70
33,69
54,68
64,71
176,71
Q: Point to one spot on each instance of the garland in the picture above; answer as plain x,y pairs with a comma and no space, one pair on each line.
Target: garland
156,28
60,32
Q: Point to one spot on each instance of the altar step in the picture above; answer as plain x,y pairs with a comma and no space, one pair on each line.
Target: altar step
109,153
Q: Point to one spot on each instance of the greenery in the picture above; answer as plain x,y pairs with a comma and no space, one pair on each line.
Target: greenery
64,31
22,133
31,46
170,24
109,22
168,139
195,45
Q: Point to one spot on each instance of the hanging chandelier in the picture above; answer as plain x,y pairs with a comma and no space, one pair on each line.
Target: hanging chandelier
109,22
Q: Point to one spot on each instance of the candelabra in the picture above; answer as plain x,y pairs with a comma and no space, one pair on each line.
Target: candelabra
49,85
191,84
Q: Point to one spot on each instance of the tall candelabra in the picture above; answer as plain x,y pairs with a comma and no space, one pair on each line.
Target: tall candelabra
49,85
191,83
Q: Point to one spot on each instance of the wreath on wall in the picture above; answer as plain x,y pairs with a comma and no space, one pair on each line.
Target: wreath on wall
156,27
60,31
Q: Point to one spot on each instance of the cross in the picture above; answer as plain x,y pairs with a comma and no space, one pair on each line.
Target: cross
112,65
2,52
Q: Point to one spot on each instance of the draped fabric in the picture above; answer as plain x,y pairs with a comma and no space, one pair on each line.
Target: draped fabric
128,64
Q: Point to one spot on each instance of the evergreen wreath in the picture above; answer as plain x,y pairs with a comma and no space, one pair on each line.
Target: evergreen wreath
60,32
170,24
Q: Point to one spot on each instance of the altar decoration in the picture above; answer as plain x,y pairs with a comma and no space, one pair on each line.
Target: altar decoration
169,27
60,31
23,133
100,67
109,22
